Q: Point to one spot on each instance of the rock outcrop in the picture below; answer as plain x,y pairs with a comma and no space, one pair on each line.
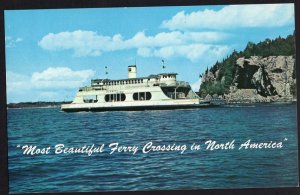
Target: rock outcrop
263,79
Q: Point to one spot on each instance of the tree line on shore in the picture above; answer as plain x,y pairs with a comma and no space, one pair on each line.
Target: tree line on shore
36,104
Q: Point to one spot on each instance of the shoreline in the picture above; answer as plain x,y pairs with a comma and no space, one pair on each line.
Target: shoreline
22,105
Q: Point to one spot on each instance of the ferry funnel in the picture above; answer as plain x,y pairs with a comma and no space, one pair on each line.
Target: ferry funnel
132,71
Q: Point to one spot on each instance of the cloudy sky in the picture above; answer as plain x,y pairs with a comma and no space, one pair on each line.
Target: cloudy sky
50,53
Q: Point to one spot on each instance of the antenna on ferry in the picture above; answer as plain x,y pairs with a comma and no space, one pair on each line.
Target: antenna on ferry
163,65
106,73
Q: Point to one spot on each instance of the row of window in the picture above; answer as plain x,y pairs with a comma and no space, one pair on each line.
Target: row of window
115,97
137,81
168,76
138,96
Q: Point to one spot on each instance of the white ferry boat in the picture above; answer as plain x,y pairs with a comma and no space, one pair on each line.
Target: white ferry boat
155,92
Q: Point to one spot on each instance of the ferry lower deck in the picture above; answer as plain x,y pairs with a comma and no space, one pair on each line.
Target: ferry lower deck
135,108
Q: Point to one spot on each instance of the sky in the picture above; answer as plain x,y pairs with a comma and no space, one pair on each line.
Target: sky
51,53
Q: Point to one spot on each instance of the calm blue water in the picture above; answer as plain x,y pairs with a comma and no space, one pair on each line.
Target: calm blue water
154,170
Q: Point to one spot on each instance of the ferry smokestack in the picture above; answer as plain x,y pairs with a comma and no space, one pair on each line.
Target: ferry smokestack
132,71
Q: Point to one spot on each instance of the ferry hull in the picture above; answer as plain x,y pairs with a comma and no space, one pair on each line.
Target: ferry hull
135,108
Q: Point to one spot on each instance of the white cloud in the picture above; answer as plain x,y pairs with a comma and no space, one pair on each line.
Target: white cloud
51,84
193,52
12,42
164,44
82,42
234,16
19,39
15,81
145,52
60,77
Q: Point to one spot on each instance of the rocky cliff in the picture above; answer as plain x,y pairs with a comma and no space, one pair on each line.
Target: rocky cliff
258,79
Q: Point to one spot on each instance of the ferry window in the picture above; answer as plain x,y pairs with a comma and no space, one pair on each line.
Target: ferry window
135,96
148,95
107,99
142,96
123,97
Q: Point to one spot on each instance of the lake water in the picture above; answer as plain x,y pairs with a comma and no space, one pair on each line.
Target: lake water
154,170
